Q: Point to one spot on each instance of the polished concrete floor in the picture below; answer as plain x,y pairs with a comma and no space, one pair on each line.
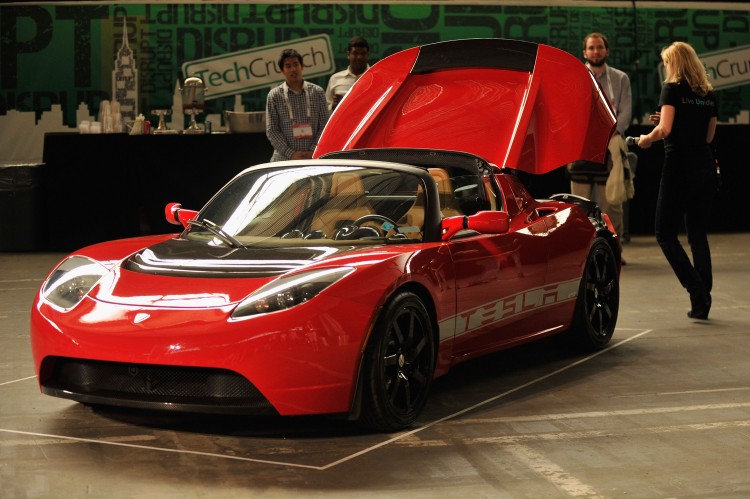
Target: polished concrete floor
664,412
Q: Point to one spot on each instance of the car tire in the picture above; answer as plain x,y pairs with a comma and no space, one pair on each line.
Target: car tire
399,365
598,300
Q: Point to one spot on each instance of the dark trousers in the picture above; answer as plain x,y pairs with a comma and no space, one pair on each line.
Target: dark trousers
686,191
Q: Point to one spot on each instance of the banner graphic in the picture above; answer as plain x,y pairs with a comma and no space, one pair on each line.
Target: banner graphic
57,60
238,72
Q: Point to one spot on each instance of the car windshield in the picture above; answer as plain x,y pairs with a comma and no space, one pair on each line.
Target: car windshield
295,204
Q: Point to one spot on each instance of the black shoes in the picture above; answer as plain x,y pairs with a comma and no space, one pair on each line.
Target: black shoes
699,307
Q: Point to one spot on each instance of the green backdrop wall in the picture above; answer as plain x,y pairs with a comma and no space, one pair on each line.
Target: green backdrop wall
64,53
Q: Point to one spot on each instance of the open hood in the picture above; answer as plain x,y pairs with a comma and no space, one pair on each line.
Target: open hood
517,104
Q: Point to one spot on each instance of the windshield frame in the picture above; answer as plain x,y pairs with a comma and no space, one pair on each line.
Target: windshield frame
218,204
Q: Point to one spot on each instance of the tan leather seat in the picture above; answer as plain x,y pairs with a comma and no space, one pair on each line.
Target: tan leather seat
440,176
415,216
445,190
348,203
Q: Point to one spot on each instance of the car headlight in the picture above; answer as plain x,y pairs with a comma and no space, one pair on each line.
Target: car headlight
71,281
289,291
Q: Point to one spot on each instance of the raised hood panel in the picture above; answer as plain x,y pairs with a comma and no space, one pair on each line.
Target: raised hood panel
517,104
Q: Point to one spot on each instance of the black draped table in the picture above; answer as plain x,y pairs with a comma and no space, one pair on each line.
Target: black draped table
728,212
97,187
100,187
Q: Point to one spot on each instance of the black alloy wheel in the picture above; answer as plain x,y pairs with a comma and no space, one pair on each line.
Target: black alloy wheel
598,298
399,365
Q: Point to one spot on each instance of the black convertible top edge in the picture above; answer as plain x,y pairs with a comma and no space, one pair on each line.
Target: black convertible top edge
494,53
590,207
418,157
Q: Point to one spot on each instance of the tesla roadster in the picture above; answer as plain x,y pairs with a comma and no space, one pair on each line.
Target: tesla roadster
345,284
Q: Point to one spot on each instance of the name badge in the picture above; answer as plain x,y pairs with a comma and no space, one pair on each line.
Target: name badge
302,131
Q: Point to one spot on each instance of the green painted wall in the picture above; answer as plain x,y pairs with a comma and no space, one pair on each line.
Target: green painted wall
64,53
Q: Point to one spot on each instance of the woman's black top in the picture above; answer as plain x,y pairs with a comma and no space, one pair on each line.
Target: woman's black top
691,117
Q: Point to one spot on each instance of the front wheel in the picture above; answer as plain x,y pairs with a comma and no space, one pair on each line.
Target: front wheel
598,298
399,365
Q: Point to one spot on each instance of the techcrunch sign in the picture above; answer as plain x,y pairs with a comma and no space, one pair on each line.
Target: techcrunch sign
251,69
725,68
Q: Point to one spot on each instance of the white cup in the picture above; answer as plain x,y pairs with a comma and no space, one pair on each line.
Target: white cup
116,123
107,124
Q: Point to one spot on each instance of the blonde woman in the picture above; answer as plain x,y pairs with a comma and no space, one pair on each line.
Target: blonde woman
687,123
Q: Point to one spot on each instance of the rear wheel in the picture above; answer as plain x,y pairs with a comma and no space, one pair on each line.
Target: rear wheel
598,298
399,365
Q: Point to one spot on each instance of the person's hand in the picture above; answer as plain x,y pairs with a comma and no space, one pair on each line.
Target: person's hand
302,155
644,142
655,118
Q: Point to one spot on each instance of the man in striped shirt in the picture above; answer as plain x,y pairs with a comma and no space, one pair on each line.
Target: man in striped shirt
296,111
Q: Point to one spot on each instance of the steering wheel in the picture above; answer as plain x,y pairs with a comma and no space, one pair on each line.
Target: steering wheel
374,217
293,234
350,232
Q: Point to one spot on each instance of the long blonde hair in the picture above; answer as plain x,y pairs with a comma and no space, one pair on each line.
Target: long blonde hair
682,63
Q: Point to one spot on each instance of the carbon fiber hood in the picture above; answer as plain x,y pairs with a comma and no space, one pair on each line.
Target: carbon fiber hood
180,257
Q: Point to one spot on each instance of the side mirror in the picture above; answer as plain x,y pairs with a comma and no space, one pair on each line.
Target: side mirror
177,215
484,222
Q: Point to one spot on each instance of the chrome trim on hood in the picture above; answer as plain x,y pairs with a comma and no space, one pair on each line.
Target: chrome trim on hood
177,257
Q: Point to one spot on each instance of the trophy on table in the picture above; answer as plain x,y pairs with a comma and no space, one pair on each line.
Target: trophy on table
193,101
162,126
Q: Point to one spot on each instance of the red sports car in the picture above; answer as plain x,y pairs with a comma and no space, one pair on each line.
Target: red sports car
347,283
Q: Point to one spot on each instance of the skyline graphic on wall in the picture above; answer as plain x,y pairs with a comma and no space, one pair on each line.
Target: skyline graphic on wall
125,79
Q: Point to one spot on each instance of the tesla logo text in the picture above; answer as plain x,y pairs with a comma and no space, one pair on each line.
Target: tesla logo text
510,306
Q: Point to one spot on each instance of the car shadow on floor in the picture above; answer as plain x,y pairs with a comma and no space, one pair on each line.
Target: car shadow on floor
469,383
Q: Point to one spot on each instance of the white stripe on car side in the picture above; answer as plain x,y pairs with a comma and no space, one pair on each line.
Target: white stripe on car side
507,308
